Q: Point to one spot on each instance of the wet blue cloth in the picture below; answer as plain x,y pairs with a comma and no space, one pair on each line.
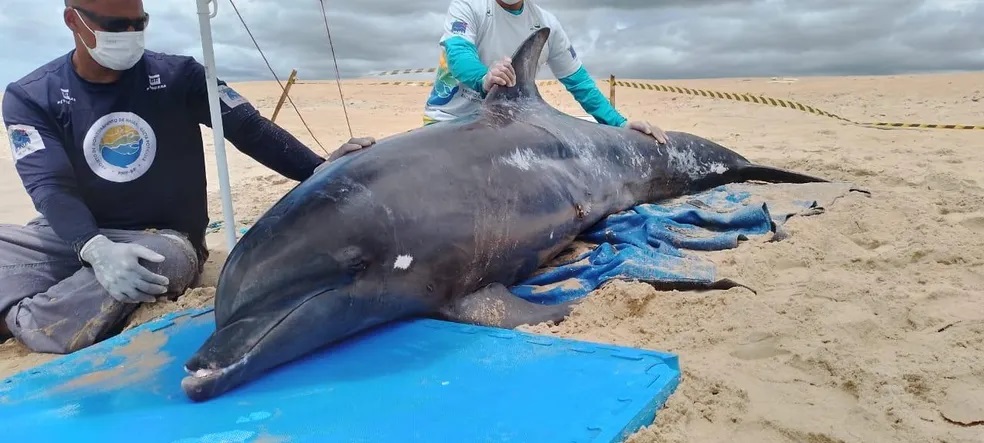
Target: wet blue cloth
650,243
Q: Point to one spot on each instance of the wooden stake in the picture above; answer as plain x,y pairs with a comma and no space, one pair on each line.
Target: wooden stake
283,97
611,89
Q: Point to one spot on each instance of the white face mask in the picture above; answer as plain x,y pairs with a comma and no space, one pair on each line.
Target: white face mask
118,51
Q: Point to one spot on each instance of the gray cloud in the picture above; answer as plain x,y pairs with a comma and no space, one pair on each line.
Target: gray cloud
629,38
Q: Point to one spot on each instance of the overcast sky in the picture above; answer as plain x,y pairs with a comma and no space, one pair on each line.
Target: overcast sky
629,38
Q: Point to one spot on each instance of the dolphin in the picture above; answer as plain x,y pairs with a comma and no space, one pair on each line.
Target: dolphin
438,222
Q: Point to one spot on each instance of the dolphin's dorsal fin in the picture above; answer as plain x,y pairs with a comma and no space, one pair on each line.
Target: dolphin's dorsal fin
525,62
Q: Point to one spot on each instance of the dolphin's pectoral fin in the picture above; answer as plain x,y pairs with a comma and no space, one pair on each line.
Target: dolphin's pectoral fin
495,306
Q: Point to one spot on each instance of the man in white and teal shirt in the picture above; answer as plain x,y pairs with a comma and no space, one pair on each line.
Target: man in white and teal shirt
479,35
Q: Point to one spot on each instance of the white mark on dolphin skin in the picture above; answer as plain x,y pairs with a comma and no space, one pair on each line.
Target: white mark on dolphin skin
521,158
403,262
686,161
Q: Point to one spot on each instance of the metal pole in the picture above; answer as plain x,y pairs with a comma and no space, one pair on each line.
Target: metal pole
211,80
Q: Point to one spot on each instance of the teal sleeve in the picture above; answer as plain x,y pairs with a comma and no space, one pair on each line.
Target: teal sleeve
584,90
464,63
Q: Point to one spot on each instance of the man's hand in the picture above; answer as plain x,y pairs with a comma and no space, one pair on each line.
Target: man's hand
118,269
353,145
646,128
501,73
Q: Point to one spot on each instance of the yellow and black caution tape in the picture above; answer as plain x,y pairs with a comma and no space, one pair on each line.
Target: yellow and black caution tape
405,83
405,71
778,102
742,97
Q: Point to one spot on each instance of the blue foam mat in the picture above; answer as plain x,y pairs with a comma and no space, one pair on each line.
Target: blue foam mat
420,380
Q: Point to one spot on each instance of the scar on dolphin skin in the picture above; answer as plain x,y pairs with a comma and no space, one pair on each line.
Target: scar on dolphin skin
519,181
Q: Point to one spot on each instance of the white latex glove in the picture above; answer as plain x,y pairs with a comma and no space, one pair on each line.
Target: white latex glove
353,145
118,270
500,73
646,128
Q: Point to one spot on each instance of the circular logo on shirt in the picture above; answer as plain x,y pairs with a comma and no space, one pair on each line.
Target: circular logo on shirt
120,147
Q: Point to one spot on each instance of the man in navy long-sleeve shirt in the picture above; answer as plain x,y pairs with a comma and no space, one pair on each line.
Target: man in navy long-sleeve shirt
107,142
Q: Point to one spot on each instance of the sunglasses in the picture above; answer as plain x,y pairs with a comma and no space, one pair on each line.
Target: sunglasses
116,24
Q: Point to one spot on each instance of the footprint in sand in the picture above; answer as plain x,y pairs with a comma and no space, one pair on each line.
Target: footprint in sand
757,346
974,222
964,403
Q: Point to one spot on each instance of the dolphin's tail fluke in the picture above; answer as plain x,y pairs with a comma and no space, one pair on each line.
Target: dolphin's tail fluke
776,175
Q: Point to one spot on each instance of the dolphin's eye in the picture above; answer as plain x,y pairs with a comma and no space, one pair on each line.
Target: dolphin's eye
357,266
352,259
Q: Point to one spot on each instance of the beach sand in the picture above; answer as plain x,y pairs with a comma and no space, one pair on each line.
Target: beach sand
868,325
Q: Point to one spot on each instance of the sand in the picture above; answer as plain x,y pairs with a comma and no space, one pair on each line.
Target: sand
868,324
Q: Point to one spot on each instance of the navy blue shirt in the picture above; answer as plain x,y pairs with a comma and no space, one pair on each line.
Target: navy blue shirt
129,155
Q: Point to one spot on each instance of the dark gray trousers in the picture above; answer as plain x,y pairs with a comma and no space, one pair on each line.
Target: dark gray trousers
52,304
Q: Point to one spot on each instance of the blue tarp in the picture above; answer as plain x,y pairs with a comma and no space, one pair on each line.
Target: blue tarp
656,243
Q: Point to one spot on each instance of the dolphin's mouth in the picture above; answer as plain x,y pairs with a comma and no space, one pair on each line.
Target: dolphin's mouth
224,360
210,373
203,383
